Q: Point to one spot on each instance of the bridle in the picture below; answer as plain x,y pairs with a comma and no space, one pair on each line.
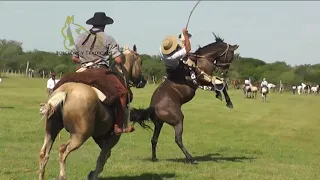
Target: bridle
130,82
215,63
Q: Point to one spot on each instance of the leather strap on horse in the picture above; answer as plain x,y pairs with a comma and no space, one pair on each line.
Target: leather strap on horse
128,97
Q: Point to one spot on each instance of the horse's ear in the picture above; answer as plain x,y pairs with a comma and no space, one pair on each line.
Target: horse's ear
234,47
134,48
215,36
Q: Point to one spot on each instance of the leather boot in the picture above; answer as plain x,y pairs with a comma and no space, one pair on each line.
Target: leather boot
118,127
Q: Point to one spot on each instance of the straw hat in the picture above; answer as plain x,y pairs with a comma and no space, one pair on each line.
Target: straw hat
169,44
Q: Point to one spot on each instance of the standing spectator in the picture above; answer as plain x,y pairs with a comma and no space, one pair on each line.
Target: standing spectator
51,83
281,87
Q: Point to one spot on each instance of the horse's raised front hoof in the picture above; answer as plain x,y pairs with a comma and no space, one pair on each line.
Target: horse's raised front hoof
191,161
89,177
154,159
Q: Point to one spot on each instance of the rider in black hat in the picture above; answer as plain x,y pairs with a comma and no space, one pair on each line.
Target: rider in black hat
96,45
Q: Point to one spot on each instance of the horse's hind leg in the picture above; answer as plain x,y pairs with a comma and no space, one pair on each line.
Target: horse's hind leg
72,144
157,129
106,145
178,128
53,127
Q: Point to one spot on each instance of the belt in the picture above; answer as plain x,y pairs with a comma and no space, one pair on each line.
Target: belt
85,65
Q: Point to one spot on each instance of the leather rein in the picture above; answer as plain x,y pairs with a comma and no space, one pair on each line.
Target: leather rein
225,53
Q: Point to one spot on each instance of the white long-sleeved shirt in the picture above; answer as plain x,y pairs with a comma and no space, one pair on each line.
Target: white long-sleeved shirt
264,83
173,59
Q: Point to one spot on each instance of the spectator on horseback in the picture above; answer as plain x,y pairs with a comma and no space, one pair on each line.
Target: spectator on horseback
264,83
172,53
247,82
95,47
280,87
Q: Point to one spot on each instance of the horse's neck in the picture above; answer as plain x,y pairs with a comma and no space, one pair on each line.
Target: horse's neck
205,66
129,64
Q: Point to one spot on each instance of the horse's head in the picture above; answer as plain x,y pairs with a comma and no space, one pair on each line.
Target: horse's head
216,56
133,64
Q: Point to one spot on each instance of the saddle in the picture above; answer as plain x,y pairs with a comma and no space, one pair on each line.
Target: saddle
98,79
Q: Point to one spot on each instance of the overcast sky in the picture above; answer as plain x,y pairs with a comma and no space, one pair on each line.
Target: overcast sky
271,31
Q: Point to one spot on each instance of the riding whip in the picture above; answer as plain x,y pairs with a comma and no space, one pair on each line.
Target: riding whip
192,12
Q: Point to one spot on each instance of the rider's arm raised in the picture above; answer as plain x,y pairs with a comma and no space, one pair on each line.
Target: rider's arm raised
186,41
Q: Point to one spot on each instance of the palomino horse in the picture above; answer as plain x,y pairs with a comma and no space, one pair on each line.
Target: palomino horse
272,87
168,98
250,92
78,108
254,91
315,89
264,92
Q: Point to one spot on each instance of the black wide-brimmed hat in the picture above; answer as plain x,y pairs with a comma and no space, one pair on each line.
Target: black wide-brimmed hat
100,19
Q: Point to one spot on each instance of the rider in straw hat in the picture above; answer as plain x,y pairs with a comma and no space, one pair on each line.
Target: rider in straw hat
97,45
171,53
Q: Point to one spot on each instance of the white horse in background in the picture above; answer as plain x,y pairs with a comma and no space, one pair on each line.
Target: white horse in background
264,92
271,87
315,89
303,86
300,88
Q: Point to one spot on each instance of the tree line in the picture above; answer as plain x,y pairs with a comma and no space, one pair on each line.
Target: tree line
13,58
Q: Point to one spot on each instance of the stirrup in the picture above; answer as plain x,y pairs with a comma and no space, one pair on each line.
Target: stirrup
217,80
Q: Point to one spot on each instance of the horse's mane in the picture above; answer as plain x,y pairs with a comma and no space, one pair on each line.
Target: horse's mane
217,38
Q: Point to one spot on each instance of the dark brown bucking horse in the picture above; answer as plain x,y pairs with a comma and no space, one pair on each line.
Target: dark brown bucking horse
76,106
168,98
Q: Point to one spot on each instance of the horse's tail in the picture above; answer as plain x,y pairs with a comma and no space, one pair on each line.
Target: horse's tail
141,116
56,101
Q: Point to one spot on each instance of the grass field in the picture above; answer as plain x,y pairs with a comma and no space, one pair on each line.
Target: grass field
277,140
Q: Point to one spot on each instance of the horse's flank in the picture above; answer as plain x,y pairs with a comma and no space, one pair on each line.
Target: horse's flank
75,97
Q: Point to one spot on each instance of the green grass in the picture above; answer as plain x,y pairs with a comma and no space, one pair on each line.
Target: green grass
277,140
